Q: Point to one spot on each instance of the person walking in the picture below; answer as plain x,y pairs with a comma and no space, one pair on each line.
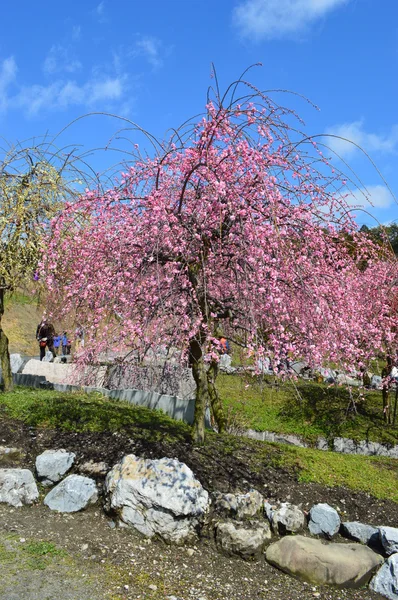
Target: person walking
45,333
64,341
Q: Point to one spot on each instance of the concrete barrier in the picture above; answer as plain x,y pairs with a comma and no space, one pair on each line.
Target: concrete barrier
175,407
65,373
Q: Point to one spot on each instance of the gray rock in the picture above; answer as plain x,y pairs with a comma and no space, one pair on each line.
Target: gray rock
324,520
343,565
52,465
239,505
375,382
270,436
292,440
286,519
74,493
157,497
322,444
298,367
16,362
385,582
359,532
389,539
344,445
17,487
243,540
346,380
263,366
225,362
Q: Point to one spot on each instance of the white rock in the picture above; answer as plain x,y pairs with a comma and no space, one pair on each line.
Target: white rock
157,497
246,541
51,465
74,493
17,487
239,505
324,520
385,582
288,518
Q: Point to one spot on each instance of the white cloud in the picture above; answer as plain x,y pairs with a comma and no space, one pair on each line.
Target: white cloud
98,91
373,196
270,19
8,72
60,60
76,32
63,94
355,132
150,48
100,11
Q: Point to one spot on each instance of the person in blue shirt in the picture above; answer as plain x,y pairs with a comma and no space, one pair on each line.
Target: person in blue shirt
57,343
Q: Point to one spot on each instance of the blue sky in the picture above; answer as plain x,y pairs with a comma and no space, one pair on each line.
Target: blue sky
150,61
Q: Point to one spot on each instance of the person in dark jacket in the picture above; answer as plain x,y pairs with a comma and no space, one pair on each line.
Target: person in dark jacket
45,333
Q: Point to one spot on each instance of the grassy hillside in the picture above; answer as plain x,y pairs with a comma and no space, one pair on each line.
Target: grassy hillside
78,414
305,408
23,312
20,320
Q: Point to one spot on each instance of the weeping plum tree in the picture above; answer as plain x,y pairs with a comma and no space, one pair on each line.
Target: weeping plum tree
235,226
32,187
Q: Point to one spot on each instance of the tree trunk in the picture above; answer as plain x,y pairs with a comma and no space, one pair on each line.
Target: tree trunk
386,403
202,394
215,401
4,353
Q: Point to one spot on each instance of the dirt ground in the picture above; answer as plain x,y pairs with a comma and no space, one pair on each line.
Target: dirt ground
92,559
103,561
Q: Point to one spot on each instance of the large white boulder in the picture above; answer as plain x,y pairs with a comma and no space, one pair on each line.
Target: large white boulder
52,465
344,565
385,582
157,497
74,493
17,487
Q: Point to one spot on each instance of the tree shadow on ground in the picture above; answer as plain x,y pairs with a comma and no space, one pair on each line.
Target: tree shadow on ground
91,413
340,412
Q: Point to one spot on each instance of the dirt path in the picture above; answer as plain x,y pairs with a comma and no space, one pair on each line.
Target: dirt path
50,556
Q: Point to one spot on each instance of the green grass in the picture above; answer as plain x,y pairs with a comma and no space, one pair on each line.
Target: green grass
40,554
305,408
36,555
18,297
376,476
77,411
